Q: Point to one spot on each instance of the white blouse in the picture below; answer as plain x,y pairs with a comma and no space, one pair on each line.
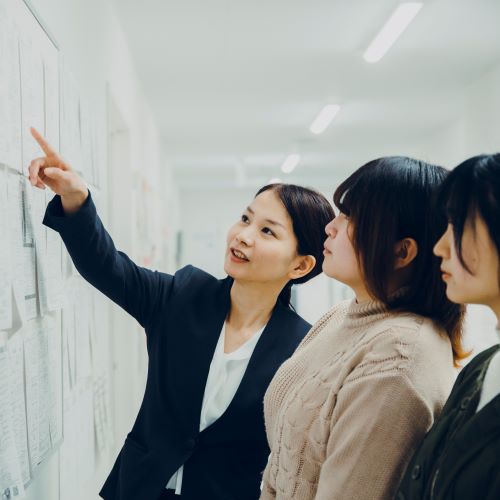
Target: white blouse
224,378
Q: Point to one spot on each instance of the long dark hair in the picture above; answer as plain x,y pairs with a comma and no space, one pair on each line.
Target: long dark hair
310,212
390,199
473,188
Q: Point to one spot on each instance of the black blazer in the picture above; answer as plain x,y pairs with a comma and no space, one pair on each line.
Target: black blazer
183,316
459,459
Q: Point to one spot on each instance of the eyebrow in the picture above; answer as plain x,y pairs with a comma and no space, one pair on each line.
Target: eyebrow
270,221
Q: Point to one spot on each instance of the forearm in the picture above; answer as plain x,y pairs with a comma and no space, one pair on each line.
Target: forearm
94,254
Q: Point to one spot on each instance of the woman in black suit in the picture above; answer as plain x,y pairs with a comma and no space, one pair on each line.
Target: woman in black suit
214,345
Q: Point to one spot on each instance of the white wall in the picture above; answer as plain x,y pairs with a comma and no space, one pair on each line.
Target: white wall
95,51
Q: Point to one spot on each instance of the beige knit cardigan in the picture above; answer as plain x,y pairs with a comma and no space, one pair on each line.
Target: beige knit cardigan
345,413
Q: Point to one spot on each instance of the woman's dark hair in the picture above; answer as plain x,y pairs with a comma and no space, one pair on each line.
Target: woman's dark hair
310,212
387,200
473,188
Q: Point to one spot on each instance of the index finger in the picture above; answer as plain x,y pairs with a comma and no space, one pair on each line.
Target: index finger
46,147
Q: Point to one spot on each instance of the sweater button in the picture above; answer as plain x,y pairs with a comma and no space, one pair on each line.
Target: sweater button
191,443
465,403
415,473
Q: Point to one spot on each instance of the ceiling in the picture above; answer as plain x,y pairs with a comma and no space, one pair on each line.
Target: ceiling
235,85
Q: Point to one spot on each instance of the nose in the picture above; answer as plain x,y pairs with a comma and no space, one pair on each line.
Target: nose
245,236
441,248
330,229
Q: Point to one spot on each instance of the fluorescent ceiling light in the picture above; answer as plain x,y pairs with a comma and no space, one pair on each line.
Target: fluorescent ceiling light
326,115
391,31
291,161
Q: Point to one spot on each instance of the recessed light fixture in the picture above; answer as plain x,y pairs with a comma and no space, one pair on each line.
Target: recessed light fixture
324,118
274,180
391,31
291,161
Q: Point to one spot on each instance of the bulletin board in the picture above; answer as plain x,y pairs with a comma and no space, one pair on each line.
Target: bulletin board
54,392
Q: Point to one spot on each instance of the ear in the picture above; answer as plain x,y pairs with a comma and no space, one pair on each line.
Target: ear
303,266
405,251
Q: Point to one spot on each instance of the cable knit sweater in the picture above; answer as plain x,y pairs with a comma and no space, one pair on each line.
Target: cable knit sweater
346,412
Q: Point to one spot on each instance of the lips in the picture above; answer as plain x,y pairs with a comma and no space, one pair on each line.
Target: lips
445,273
239,254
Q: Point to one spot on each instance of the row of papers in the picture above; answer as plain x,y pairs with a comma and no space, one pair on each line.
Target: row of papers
31,271
54,380
49,347
34,92
53,383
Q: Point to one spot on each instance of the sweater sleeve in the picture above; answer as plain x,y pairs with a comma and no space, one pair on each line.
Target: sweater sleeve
377,423
268,492
136,289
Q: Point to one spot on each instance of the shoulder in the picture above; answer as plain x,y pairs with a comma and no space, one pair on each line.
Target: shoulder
413,347
295,326
192,273
192,281
478,361
332,317
195,276
476,366
411,334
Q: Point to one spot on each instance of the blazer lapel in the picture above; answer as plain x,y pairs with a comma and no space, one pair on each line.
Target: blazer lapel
191,352
260,369
474,435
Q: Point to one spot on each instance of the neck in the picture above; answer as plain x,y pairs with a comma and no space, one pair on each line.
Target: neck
251,304
361,294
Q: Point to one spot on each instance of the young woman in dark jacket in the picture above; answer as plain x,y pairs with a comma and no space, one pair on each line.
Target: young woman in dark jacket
214,345
460,456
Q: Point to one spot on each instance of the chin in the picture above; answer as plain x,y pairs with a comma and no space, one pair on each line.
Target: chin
455,297
325,269
230,270
330,272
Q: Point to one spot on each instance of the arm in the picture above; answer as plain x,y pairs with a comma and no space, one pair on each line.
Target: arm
73,215
136,289
268,492
377,423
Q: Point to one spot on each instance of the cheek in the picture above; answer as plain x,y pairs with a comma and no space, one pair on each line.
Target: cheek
464,288
462,291
342,263
231,234
274,256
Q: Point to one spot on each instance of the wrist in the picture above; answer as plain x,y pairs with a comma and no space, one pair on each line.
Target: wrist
72,202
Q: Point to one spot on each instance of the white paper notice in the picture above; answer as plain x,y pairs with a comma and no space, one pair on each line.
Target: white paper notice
15,210
5,262
71,136
16,359
51,87
11,481
27,277
10,95
49,254
82,335
32,99
55,383
37,389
